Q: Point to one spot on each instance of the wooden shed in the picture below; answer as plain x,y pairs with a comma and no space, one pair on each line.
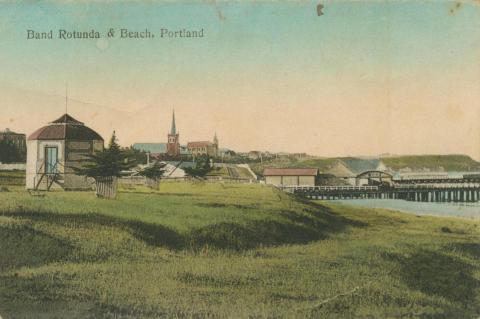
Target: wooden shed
290,176
53,151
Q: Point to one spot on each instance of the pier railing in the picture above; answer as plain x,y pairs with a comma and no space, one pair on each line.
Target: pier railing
293,189
447,192
436,186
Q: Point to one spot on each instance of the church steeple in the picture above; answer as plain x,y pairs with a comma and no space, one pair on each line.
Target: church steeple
173,145
215,139
173,129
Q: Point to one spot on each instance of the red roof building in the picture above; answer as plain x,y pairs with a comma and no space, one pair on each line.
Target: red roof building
65,128
203,148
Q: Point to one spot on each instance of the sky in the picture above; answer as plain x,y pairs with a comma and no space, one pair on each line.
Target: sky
366,78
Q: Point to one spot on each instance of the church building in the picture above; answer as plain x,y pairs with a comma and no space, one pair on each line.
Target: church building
173,145
204,147
173,150
170,150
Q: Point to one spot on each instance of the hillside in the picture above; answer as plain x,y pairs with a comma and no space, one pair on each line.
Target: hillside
323,164
459,163
222,251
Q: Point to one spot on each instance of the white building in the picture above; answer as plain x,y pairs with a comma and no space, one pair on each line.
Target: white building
53,151
290,176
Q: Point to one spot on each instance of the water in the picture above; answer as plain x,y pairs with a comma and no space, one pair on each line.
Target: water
465,210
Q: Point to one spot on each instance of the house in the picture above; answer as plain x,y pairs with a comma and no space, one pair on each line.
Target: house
254,155
203,148
54,150
226,153
290,176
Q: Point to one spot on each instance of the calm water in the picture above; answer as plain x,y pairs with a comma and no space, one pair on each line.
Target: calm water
466,210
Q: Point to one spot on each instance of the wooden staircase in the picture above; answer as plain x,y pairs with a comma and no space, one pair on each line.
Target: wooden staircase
47,179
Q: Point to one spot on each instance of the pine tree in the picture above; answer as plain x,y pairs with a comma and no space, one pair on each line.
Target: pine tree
9,152
201,169
108,163
154,171
153,174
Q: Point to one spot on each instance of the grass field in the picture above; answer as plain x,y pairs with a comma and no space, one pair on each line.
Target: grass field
239,251
239,172
323,164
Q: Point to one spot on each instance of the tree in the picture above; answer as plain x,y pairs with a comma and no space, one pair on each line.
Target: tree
10,153
139,156
108,163
153,173
106,166
201,168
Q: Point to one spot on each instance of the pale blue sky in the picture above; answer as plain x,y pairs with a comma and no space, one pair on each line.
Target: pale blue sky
359,60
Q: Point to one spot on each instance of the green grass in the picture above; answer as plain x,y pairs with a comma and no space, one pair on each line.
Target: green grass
242,172
219,171
212,250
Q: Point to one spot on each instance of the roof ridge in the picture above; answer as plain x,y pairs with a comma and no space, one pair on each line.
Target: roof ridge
67,119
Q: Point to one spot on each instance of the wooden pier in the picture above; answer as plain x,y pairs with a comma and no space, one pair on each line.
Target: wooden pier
447,192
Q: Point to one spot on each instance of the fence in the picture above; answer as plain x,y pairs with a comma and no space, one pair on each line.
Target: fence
12,178
106,187
214,179
142,181
13,166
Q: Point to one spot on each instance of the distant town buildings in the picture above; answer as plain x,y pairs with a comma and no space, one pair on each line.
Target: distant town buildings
174,150
254,155
226,153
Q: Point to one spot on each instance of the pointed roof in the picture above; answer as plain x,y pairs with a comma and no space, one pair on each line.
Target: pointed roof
67,119
340,169
173,130
65,128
